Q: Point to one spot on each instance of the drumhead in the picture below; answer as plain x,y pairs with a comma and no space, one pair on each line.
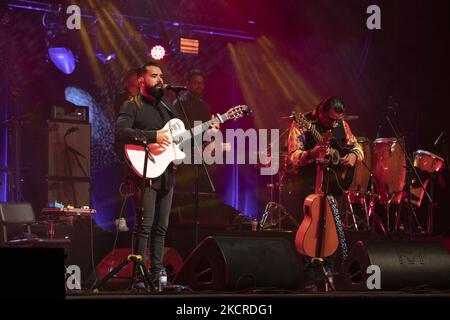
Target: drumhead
362,139
427,153
385,140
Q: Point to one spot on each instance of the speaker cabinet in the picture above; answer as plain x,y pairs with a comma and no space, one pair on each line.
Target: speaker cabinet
58,164
69,149
402,264
57,149
236,263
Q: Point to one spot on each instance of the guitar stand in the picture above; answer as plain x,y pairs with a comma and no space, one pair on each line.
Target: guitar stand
138,265
269,210
327,274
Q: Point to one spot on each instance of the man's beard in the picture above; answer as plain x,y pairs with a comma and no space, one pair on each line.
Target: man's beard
155,91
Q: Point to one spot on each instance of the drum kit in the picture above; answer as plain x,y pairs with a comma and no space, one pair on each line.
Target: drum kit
381,179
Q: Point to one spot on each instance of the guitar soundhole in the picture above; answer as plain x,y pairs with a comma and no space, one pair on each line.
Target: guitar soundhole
307,211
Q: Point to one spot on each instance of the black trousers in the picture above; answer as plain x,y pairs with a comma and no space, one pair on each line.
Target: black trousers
154,221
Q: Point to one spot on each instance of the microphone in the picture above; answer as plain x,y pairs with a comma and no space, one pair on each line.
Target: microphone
174,88
438,139
391,107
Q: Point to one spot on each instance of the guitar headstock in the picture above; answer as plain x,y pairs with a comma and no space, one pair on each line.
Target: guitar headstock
301,120
238,112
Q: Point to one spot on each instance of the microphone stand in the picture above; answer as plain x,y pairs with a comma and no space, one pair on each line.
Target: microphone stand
197,170
409,167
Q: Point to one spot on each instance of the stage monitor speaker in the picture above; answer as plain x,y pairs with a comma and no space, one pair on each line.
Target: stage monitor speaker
403,264
32,273
237,263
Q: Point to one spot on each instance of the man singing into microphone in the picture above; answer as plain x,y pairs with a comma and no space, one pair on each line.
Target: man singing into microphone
141,118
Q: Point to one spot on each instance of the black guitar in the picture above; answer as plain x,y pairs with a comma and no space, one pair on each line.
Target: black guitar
340,177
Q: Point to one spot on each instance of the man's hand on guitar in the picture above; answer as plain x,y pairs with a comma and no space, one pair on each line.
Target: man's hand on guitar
349,159
315,152
162,138
215,125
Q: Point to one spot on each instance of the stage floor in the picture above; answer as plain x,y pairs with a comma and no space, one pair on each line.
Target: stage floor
261,295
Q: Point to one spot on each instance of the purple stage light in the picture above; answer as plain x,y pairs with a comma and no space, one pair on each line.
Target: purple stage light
106,58
63,59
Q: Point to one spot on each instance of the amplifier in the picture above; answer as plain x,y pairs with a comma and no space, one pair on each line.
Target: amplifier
69,112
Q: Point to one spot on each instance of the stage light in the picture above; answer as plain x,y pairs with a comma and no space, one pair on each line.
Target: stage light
106,58
58,41
158,52
189,45
63,59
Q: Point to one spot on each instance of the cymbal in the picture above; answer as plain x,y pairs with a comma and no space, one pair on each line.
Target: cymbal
351,117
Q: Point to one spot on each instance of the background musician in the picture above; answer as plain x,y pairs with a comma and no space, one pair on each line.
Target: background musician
303,150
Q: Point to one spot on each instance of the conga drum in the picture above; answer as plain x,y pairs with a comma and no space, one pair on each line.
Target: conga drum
428,162
389,166
362,168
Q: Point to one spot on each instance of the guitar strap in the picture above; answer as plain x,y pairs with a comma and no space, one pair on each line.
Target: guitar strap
340,230
171,112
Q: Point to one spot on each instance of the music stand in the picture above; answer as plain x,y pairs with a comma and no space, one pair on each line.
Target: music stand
138,263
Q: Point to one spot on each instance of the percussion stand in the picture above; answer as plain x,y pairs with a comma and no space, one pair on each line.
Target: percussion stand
430,210
411,210
272,206
409,168
367,207
282,212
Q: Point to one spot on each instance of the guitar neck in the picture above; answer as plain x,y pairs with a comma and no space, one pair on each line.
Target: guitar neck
316,134
199,129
